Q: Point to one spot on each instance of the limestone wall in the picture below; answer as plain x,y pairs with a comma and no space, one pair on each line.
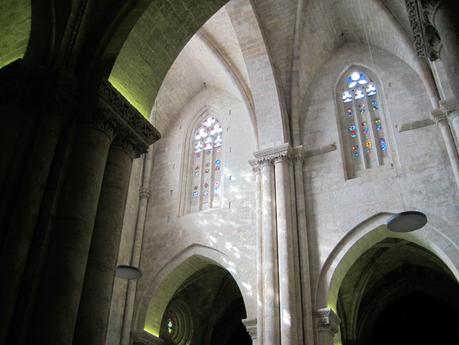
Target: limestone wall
230,230
420,177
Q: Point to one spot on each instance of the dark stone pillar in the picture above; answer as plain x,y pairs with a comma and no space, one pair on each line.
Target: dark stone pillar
445,20
95,302
24,217
62,281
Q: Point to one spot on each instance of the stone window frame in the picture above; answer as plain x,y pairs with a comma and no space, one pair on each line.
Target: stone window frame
349,169
187,160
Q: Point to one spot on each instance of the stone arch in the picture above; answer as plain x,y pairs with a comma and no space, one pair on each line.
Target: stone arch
433,237
170,277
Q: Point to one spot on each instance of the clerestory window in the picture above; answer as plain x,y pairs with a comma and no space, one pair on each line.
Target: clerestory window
361,118
206,167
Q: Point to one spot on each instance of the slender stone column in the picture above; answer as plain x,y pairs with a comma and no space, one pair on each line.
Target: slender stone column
449,106
259,324
440,118
144,196
271,331
327,323
444,19
59,294
251,327
303,239
95,302
286,253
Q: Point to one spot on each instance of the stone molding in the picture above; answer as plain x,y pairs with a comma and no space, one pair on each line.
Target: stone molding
270,155
425,36
299,154
144,338
439,115
130,123
251,327
448,105
327,320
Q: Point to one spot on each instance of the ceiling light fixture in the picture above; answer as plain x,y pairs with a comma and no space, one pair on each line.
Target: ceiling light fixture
128,272
406,221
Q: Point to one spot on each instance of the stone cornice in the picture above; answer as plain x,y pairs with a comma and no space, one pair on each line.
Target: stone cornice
271,154
251,327
129,121
144,338
327,320
426,39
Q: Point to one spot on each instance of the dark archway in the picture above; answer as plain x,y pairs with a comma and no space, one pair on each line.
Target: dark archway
206,309
398,293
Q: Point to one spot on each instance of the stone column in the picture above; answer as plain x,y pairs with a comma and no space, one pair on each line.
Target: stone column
95,302
251,327
440,118
327,325
303,239
286,252
59,294
444,19
23,220
449,106
271,331
144,196
52,112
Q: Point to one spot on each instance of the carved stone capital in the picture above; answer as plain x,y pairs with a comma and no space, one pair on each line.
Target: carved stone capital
101,121
298,154
439,115
425,36
327,321
127,145
144,338
144,193
255,166
275,154
251,327
130,122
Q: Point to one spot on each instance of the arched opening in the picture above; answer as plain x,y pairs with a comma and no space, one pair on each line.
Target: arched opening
394,293
206,309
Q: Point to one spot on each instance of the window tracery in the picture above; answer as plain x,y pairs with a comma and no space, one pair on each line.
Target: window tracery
207,165
362,123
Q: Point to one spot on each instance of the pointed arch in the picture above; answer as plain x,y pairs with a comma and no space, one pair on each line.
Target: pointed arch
171,276
364,236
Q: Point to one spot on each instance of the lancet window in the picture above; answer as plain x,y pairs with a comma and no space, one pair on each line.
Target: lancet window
207,163
363,128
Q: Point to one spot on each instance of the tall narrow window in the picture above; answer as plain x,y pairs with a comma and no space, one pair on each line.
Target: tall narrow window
362,123
206,165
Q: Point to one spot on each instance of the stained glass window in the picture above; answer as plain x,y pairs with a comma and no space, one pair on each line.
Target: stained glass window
362,123
170,326
207,162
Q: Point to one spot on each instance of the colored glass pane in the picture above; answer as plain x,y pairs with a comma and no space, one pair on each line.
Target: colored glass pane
382,144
